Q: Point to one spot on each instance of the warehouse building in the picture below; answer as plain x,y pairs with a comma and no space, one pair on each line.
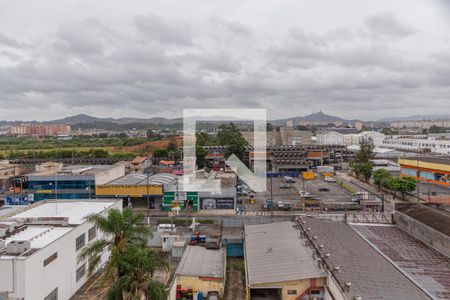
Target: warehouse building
39,245
278,265
357,269
138,190
202,270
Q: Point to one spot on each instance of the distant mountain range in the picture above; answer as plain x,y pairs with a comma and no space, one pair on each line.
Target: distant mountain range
82,118
314,117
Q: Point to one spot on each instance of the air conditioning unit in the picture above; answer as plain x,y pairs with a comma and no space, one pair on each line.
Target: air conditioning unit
18,247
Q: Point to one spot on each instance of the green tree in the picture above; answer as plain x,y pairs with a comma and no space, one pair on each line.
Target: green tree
380,175
200,154
436,129
403,185
363,169
161,152
230,136
137,266
120,229
365,153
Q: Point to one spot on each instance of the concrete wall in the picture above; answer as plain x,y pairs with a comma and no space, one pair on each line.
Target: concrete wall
116,171
426,234
300,286
201,285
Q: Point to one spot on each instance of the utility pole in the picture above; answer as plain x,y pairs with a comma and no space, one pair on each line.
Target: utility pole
148,199
418,180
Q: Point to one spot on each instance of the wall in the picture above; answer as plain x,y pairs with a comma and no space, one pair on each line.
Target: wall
116,171
426,234
300,286
128,190
200,285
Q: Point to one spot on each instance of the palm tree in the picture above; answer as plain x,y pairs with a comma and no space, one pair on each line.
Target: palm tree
121,229
137,266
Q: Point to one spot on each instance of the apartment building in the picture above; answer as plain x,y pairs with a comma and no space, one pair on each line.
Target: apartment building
39,248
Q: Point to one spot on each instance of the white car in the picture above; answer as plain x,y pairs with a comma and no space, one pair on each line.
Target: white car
330,179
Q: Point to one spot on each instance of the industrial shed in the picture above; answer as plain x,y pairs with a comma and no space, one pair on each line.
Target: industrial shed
202,269
278,265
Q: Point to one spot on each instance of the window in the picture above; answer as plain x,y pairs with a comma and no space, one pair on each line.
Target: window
292,292
81,271
80,241
50,258
92,233
53,295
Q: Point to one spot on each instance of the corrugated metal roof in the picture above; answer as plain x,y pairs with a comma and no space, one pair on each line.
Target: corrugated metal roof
274,253
372,276
141,179
201,262
435,218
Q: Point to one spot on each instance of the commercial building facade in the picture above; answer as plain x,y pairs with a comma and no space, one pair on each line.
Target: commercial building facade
435,170
69,182
138,190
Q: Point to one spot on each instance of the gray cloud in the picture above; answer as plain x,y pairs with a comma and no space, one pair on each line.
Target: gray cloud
387,24
140,63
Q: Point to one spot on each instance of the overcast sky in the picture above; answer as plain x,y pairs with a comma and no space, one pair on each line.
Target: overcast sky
108,58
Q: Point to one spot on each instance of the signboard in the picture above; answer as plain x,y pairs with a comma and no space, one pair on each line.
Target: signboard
221,203
128,190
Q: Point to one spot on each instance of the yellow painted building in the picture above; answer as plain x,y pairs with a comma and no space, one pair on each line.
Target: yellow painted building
434,170
128,190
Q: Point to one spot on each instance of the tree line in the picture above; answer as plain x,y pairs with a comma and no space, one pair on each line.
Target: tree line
363,168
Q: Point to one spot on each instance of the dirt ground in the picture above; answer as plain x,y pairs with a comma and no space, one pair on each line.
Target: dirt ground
235,281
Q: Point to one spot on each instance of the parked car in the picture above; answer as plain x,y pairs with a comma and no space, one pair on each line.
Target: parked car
303,193
283,206
213,296
329,179
289,179
324,189
284,186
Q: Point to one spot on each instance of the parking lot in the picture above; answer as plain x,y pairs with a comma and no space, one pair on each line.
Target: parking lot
292,196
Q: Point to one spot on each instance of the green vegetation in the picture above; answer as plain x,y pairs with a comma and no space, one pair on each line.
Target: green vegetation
94,153
34,143
436,129
230,136
403,185
131,264
170,151
351,190
363,165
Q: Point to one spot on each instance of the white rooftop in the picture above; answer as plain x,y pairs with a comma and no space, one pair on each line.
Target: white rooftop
39,236
275,253
76,211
